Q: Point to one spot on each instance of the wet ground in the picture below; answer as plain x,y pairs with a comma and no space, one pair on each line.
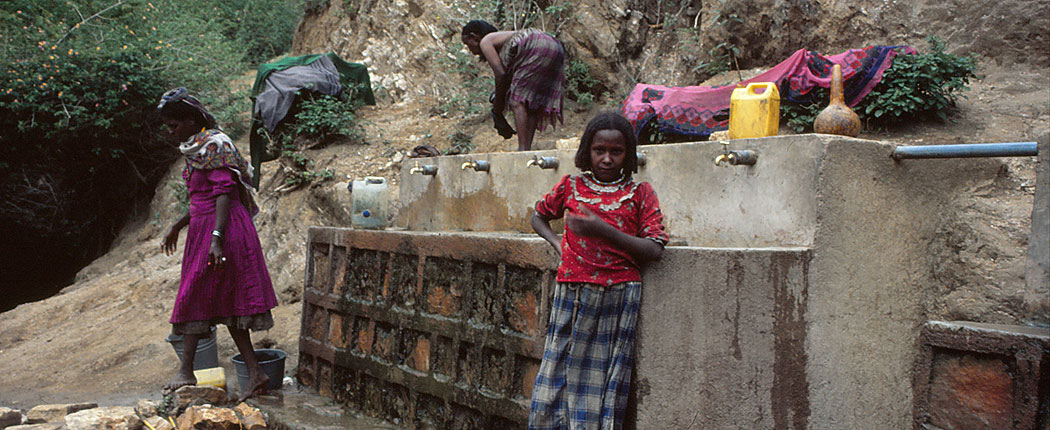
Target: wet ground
299,409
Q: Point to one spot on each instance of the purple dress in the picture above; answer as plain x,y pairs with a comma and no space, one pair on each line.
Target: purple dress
241,293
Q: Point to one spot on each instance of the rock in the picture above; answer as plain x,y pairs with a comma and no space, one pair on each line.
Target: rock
44,426
10,417
159,423
200,395
208,418
251,418
719,135
570,143
398,158
55,413
146,408
112,418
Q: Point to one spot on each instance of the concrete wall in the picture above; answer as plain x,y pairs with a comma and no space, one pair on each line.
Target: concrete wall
1037,266
721,340
704,205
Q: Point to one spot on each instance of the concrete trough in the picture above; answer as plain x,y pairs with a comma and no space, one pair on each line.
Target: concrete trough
792,297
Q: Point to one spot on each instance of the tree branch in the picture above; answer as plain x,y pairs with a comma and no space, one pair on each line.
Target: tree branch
86,20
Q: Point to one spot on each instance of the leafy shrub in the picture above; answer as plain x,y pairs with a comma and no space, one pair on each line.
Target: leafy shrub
459,143
918,85
579,84
267,28
914,87
78,85
323,115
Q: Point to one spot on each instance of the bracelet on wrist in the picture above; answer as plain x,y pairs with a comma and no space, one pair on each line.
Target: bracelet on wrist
217,234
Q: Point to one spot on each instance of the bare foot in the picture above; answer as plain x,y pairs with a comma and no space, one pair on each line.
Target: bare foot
181,379
258,387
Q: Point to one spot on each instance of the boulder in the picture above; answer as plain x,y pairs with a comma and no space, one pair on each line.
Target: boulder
43,426
10,417
110,418
146,408
159,423
191,395
251,418
208,418
55,413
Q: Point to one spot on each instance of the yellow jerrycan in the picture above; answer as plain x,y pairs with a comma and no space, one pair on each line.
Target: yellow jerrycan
753,113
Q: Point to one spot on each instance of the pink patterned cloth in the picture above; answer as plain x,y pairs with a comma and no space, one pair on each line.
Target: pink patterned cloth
243,286
701,110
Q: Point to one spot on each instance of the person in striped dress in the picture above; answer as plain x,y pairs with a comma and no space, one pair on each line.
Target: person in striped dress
613,225
529,69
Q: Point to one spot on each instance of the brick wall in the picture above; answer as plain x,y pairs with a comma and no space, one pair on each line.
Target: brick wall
426,330
982,376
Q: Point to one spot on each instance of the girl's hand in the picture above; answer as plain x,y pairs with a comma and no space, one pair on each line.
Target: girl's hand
216,258
170,241
586,224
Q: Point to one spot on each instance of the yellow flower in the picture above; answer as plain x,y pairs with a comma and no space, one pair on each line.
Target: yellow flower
60,94
70,51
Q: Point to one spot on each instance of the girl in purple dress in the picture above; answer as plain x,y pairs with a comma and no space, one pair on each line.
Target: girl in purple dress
224,277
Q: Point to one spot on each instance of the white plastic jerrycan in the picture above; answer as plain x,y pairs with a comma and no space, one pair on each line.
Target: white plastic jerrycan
369,202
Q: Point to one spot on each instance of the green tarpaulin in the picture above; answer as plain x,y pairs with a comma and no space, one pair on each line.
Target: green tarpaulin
352,76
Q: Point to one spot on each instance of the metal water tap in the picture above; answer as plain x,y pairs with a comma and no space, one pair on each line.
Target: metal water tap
543,162
640,156
724,156
429,170
746,157
477,165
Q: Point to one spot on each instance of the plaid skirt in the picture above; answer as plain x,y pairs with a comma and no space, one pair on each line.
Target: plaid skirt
585,374
535,62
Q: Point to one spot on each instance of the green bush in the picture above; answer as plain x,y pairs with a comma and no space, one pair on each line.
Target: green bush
919,85
579,84
321,116
78,85
914,87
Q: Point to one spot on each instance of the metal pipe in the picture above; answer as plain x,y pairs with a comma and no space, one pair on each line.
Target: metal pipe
543,162
429,170
477,165
966,150
744,157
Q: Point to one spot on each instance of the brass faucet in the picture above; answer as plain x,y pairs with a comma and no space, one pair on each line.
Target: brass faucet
429,169
543,162
724,156
477,165
746,157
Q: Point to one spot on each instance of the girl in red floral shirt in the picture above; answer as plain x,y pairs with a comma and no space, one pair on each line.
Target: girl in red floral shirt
613,225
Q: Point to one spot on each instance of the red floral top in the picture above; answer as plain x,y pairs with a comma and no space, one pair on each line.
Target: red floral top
629,206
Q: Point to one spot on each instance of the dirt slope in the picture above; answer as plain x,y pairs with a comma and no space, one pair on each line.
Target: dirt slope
102,339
